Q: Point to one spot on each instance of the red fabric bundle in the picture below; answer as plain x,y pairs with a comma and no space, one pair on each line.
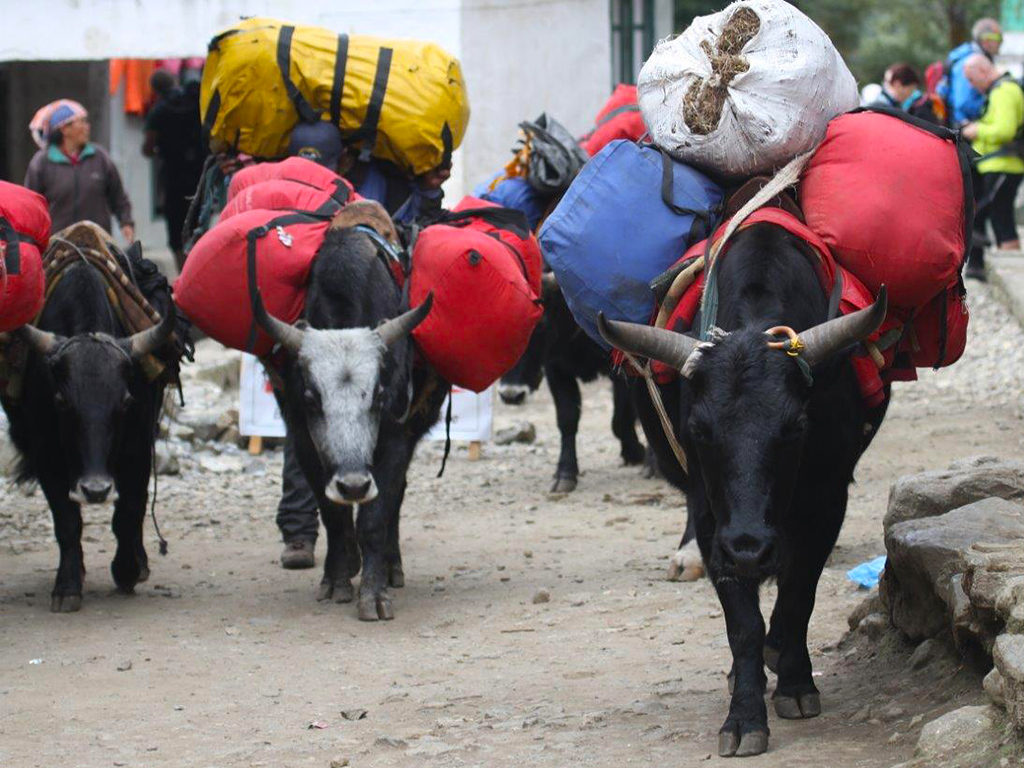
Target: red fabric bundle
891,199
619,119
486,284
214,291
24,235
284,195
297,169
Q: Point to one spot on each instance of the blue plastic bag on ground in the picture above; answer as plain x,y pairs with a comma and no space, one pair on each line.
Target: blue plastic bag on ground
867,574
514,193
629,215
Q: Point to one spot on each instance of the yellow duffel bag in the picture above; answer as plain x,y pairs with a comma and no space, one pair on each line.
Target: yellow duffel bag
398,100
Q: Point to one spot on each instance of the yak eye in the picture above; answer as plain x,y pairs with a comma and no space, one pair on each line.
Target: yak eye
311,398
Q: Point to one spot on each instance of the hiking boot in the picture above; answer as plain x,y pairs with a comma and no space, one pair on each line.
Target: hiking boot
297,554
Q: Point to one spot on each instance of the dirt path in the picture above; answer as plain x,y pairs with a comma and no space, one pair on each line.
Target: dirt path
231,659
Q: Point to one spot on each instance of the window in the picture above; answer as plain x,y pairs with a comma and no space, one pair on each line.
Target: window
632,38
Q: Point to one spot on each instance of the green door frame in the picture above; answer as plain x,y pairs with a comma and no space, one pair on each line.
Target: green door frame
625,27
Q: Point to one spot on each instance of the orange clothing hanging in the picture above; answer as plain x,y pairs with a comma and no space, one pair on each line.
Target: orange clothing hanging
135,73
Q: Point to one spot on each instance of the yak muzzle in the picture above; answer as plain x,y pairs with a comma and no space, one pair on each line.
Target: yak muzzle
747,554
513,394
352,488
94,490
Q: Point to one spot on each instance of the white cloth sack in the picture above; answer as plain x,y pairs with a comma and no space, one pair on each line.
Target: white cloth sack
772,112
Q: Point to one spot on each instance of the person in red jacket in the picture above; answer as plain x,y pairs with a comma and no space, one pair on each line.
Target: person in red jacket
77,178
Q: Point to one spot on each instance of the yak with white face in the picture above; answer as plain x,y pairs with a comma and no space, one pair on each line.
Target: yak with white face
348,395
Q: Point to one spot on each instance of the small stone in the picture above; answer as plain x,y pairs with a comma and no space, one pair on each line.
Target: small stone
166,461
862,715
339,762
542,595
916,720
527,554
923,654
255,467
868,606
993,684
874,626
522,432
892,712
124,666
390,741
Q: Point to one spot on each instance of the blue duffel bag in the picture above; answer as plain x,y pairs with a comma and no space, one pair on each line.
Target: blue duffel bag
629,215
514,193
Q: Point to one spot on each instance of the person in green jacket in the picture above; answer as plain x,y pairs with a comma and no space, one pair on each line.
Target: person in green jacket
1001,166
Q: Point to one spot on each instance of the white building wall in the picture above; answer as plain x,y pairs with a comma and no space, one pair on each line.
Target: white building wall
524,57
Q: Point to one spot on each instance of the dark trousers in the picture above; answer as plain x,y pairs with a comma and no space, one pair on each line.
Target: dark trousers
297,516
997,193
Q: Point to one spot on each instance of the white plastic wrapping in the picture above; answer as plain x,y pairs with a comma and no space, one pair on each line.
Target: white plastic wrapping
795,81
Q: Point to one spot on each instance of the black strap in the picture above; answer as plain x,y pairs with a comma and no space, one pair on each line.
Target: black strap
284,62
367,132
835,296
618,111
337,90
447,434
667,187
447,142
503,218
12,259
943,331
252,237
211,115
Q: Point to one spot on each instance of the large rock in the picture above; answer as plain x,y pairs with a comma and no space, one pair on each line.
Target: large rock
929,494
964,737
1008,656
923,584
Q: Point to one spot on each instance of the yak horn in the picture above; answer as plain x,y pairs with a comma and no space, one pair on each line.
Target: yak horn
42,342
824,340
655,343
288,336
397,328
146,342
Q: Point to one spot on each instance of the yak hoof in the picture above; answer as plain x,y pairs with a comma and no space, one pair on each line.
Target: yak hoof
340,591
65,603
396,576
731,744
633,455
686,564
374,607
564,485
798,708
771,659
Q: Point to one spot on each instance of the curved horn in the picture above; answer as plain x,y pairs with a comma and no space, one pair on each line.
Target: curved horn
288,336
656,343
829,337
150,340
42,342
397,328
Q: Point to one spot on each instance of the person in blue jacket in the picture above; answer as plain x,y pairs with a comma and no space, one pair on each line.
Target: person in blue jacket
965,102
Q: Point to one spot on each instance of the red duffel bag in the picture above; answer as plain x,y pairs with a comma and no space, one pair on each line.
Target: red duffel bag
24,235
939,331
486,294
892,197
286,195
619,119
297,169
269,249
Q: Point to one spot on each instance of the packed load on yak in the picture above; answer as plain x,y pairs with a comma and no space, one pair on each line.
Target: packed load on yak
480,261
403,101
639,229
24,235
745,90
546,158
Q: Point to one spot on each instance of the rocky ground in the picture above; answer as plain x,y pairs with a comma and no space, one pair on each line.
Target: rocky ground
533,630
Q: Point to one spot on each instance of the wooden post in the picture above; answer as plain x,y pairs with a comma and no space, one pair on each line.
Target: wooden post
255,445
475,451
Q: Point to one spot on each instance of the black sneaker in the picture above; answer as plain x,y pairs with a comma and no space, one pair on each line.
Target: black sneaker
976,272
297,555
